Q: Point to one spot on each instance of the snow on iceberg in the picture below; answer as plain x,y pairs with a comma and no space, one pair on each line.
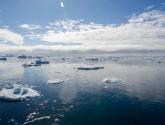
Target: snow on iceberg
90,67
111,80
17,92
55,81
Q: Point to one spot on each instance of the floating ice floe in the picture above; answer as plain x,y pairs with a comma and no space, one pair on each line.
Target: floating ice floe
17,92
41,61
90,67
111,80
30,64
55,81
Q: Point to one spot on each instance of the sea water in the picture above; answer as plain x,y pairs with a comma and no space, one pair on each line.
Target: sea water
127,91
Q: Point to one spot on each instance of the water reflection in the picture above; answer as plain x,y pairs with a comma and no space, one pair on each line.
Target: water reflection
34,75
68,93
10,70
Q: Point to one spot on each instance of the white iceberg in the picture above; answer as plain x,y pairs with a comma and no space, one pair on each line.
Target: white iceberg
55,81
90,67
17,92
111,80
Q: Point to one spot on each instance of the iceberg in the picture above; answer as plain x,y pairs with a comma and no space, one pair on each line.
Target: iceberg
41,61
90,67
55,81
17,92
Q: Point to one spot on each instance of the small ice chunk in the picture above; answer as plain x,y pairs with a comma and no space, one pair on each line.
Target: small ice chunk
12,120
31,116
55,81
111,80
90,67
56,120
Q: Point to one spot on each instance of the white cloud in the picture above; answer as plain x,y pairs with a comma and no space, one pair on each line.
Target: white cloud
30,27
150,7
144,31
8,36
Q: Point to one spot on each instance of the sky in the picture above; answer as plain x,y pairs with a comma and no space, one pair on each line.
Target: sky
107,25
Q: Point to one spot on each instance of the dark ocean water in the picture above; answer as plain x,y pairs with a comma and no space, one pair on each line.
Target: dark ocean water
83,98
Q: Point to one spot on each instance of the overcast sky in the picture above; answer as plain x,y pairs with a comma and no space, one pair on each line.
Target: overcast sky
109,25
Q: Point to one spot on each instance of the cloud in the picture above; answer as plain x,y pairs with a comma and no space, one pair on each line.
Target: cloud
8,36
150,7
163,4
30,27
143,31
